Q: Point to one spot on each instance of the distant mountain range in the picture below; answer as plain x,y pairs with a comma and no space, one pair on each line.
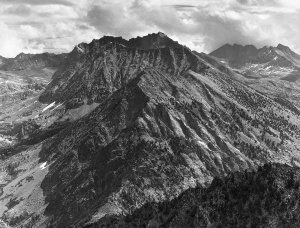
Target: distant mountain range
239,56
29,61
120,124
271,70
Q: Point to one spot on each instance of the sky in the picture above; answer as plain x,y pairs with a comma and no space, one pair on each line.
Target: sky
36,26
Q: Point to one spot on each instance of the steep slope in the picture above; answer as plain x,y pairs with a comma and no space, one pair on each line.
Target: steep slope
266,198
126,125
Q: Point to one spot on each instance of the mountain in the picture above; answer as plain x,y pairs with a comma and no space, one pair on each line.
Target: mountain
32,61
239,56
2,60
271,70
127,122
22,79
266,198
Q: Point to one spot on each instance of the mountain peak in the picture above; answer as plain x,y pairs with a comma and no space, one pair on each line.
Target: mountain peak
281,46
20,55
153,41
150,41
161,34
235,53
235,45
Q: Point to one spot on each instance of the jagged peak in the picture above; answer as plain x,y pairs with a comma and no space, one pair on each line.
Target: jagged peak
153,40
117,39
281,46
150,41
157,35
253,47
161,34
21,55
286,49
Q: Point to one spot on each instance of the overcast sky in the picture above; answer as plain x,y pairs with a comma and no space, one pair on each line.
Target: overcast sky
34,26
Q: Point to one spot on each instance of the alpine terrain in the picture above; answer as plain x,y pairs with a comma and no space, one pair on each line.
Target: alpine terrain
271,70
148,133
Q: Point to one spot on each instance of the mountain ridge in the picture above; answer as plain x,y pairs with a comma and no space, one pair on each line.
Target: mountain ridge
239,55
28,61
121,125
271,70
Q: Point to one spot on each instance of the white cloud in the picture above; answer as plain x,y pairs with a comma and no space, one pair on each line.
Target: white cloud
58,25
10,43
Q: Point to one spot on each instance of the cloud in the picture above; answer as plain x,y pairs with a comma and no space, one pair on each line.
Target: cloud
58,25
259,23
202,25
37,2
10,42
113,20
21,10
182,7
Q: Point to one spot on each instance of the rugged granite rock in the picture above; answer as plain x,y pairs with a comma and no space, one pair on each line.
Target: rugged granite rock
129,122
266,198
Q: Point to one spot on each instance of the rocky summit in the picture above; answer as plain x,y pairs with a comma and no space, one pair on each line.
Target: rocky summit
123,124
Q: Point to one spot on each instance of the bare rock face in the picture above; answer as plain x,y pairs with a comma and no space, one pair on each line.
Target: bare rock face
131,122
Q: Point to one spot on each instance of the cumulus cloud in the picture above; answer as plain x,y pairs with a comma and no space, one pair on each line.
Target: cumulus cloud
58,25
21,10
37,2
10,42
203,25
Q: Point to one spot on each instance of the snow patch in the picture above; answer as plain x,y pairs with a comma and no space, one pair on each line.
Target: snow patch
268,67
202,144
43,165
48,106
77,113
57,106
